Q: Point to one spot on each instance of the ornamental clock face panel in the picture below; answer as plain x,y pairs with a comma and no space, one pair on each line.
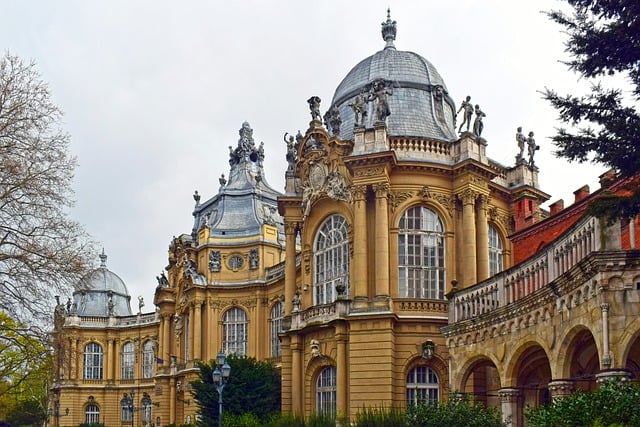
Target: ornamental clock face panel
235,262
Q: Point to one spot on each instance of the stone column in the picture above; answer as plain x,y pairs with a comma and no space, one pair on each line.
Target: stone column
606,354
172,402
212,331
188,355
296,376
116,359
468,198
197,330
482,238
290,229
510,398
166,355
382,240
76,359
108,360
342,370
360,251
561,388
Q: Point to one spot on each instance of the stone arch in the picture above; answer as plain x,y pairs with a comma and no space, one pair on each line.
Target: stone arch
313,369
434,205
578,357
481,379
326,207
529,372
629,347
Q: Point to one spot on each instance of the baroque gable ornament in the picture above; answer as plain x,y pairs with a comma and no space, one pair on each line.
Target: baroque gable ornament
321,171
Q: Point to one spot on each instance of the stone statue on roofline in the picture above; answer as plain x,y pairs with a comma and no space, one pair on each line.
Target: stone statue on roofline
532,148
380,92
478,126
314,106
467,111
521,140
359,107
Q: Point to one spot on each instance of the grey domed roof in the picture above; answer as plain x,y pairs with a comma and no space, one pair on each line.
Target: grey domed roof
246,201
102,293
420,103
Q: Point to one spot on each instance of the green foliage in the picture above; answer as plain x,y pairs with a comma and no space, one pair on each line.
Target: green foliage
245,420
381,417
613,403
253,387
286,420
25,370
458,411
604,39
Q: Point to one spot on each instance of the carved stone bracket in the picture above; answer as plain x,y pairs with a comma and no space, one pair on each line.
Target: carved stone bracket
397,197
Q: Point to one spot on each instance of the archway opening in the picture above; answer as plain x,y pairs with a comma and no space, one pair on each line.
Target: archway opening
532,375
633,359
582,360
483,383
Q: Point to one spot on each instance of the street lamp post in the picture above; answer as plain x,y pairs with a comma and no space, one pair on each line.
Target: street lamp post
220,378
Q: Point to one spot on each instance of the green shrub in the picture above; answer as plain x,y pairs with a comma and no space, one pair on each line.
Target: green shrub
381,417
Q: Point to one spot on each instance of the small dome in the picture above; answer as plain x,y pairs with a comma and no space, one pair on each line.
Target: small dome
102,293
419,101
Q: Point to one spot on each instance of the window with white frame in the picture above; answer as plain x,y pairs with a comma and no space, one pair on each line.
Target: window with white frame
93,359
148,359
126,411
331,260
276,328
421,254
326,391
92,414
128,361
495,251
234,332
147,410
422,386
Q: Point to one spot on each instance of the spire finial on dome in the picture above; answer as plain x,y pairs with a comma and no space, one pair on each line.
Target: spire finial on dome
103,259
389,30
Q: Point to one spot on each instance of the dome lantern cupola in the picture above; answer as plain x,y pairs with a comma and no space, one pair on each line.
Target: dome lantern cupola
389,31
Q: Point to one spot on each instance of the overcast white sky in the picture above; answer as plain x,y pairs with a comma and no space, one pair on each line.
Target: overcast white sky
155,91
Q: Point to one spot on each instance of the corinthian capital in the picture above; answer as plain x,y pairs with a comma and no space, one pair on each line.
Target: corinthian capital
467,196
381,189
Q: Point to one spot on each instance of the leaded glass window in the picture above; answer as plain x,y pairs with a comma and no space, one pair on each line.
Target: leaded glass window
331,256
276,328
326,391
495,251
128,361
93,359
234,332
421,255
422,385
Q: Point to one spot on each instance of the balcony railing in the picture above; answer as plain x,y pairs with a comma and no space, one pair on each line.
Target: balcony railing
523,279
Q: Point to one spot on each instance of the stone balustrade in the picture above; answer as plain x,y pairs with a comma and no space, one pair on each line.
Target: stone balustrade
525,278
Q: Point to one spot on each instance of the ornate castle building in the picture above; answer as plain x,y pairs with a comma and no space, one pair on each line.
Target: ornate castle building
401,263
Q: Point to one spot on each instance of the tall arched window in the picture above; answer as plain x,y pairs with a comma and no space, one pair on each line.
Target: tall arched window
326,391
234,332
148,359
495,251
422,385
128,361
331,256
276,328
92,414
146,409
421,263
93,358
